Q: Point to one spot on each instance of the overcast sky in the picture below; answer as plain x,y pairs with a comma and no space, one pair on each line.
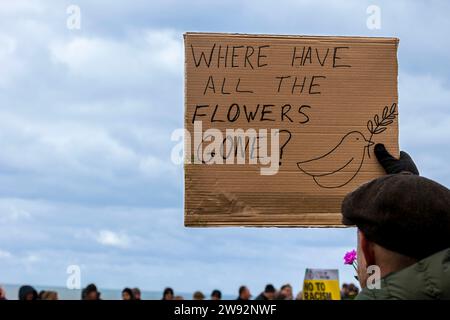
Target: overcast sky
85,123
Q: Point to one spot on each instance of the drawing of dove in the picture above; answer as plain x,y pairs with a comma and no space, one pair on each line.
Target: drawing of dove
338,167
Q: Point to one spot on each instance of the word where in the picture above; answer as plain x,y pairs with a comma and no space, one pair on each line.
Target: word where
253,57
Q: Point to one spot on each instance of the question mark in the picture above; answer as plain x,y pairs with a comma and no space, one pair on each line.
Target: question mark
285,143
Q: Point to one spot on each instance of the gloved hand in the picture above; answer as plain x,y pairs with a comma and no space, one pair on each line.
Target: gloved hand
392,165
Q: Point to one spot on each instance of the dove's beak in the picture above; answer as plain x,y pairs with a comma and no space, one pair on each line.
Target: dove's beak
370,143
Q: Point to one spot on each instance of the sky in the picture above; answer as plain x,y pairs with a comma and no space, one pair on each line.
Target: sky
86,117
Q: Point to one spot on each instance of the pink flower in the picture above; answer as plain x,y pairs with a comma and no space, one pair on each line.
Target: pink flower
350,257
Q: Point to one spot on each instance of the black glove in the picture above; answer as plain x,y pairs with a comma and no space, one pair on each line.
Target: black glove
392,165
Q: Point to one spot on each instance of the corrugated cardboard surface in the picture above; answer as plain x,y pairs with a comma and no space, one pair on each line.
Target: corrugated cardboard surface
357,88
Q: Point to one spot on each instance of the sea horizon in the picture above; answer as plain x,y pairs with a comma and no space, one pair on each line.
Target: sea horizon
106,293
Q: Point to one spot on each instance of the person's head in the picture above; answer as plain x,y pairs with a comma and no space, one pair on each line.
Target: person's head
2,293
136,293
90,292
401,219
48,295
344,290
244,293
270,291
216,295
198,295
27,293
352,290
168,294
127,294
286,292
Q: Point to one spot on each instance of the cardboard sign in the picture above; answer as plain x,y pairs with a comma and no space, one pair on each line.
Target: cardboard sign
321,284
278,129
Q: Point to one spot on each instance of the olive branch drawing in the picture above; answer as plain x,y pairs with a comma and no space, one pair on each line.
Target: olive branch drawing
387,117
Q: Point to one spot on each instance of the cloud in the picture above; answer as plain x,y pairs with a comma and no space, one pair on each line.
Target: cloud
11,66
11,212
20,6
5,254
424,119
110,238
143,57
32,258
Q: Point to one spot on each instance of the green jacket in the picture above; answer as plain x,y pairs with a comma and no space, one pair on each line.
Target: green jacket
424,280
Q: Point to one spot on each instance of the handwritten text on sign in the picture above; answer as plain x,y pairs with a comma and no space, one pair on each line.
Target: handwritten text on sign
250,57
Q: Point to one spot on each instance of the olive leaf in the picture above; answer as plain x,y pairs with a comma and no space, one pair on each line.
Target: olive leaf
387,117
370,125
385,112
379,130
377,120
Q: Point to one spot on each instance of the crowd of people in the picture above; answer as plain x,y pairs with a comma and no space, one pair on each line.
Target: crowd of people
90,292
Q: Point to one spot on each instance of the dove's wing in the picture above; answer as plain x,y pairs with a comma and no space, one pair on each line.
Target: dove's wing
325,165
340,178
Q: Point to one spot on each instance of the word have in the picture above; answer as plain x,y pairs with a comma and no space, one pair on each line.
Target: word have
311,55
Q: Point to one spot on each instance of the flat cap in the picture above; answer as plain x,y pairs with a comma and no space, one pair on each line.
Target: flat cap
402,212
